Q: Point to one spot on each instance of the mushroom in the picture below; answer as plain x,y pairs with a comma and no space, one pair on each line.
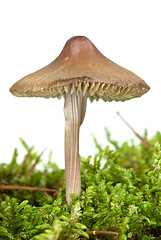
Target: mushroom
78,73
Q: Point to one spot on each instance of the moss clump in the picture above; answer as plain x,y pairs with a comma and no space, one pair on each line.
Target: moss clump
121,192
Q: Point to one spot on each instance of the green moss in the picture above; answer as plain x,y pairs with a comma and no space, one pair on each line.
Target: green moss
121,192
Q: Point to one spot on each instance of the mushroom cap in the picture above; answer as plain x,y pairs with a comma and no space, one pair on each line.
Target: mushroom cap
80,65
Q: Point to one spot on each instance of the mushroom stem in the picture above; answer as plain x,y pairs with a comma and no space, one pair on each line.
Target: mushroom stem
74,112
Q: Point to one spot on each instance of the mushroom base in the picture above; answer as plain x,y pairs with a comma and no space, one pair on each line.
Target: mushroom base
74,112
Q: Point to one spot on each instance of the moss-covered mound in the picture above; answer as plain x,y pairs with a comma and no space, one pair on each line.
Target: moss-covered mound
121,193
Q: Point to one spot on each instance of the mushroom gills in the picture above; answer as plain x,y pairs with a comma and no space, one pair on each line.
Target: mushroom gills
93,90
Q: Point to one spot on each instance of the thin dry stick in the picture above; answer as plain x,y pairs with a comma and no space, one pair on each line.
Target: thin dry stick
33,166
9,187
24,162
102,233
146,143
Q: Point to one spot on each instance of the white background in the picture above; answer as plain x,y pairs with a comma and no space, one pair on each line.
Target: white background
32,34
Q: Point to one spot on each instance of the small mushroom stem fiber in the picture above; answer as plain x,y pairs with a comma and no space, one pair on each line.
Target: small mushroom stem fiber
74,112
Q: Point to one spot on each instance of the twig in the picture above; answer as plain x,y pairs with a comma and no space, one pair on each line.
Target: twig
146,143
33,166
9,187
101,233
24,162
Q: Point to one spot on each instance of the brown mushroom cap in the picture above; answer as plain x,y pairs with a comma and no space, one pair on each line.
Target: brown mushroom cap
81,65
